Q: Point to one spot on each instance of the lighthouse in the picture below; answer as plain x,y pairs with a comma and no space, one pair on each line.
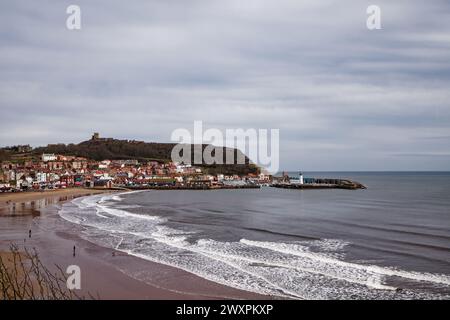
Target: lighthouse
300,178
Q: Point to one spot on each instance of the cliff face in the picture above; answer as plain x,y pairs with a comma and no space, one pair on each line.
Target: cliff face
112,149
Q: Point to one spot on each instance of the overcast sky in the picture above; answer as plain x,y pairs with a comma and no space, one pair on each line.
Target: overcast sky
343,97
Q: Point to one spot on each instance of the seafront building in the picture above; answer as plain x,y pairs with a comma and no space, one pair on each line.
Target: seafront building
54,171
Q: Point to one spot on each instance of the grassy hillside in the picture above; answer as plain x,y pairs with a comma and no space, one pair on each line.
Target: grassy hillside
112,149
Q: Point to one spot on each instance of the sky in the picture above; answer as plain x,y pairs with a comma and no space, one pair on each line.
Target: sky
342,96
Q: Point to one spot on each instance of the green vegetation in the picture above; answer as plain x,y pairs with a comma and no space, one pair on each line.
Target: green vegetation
112,149
23,276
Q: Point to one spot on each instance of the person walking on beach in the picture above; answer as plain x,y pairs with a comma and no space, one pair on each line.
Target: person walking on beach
29,233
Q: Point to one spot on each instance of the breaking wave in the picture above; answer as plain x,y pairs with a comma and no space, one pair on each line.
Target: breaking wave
306,269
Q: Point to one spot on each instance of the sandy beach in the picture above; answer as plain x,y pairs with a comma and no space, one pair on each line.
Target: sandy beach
26,203
102,277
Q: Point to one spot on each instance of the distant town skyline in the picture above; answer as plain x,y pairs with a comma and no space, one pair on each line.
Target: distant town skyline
344,98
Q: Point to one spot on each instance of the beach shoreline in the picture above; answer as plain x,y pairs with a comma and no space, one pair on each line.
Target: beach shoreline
105,272
30,202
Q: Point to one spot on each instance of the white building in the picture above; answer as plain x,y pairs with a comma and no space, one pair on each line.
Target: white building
41,177
48,157
299,180
105,176
53,177
104,164
11,175
182,168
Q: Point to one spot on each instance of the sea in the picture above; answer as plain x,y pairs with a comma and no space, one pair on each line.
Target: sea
389,241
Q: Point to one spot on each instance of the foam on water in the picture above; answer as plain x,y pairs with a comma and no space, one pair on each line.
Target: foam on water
299,269
371,269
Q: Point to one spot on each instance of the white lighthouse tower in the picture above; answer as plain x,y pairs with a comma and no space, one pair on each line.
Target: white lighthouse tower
300,178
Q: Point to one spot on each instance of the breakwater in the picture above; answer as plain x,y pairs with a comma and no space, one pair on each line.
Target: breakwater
322,184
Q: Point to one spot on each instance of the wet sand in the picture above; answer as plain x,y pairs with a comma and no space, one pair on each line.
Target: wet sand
101,274
29,203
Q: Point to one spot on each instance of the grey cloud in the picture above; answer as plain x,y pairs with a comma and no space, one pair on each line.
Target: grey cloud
343,97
